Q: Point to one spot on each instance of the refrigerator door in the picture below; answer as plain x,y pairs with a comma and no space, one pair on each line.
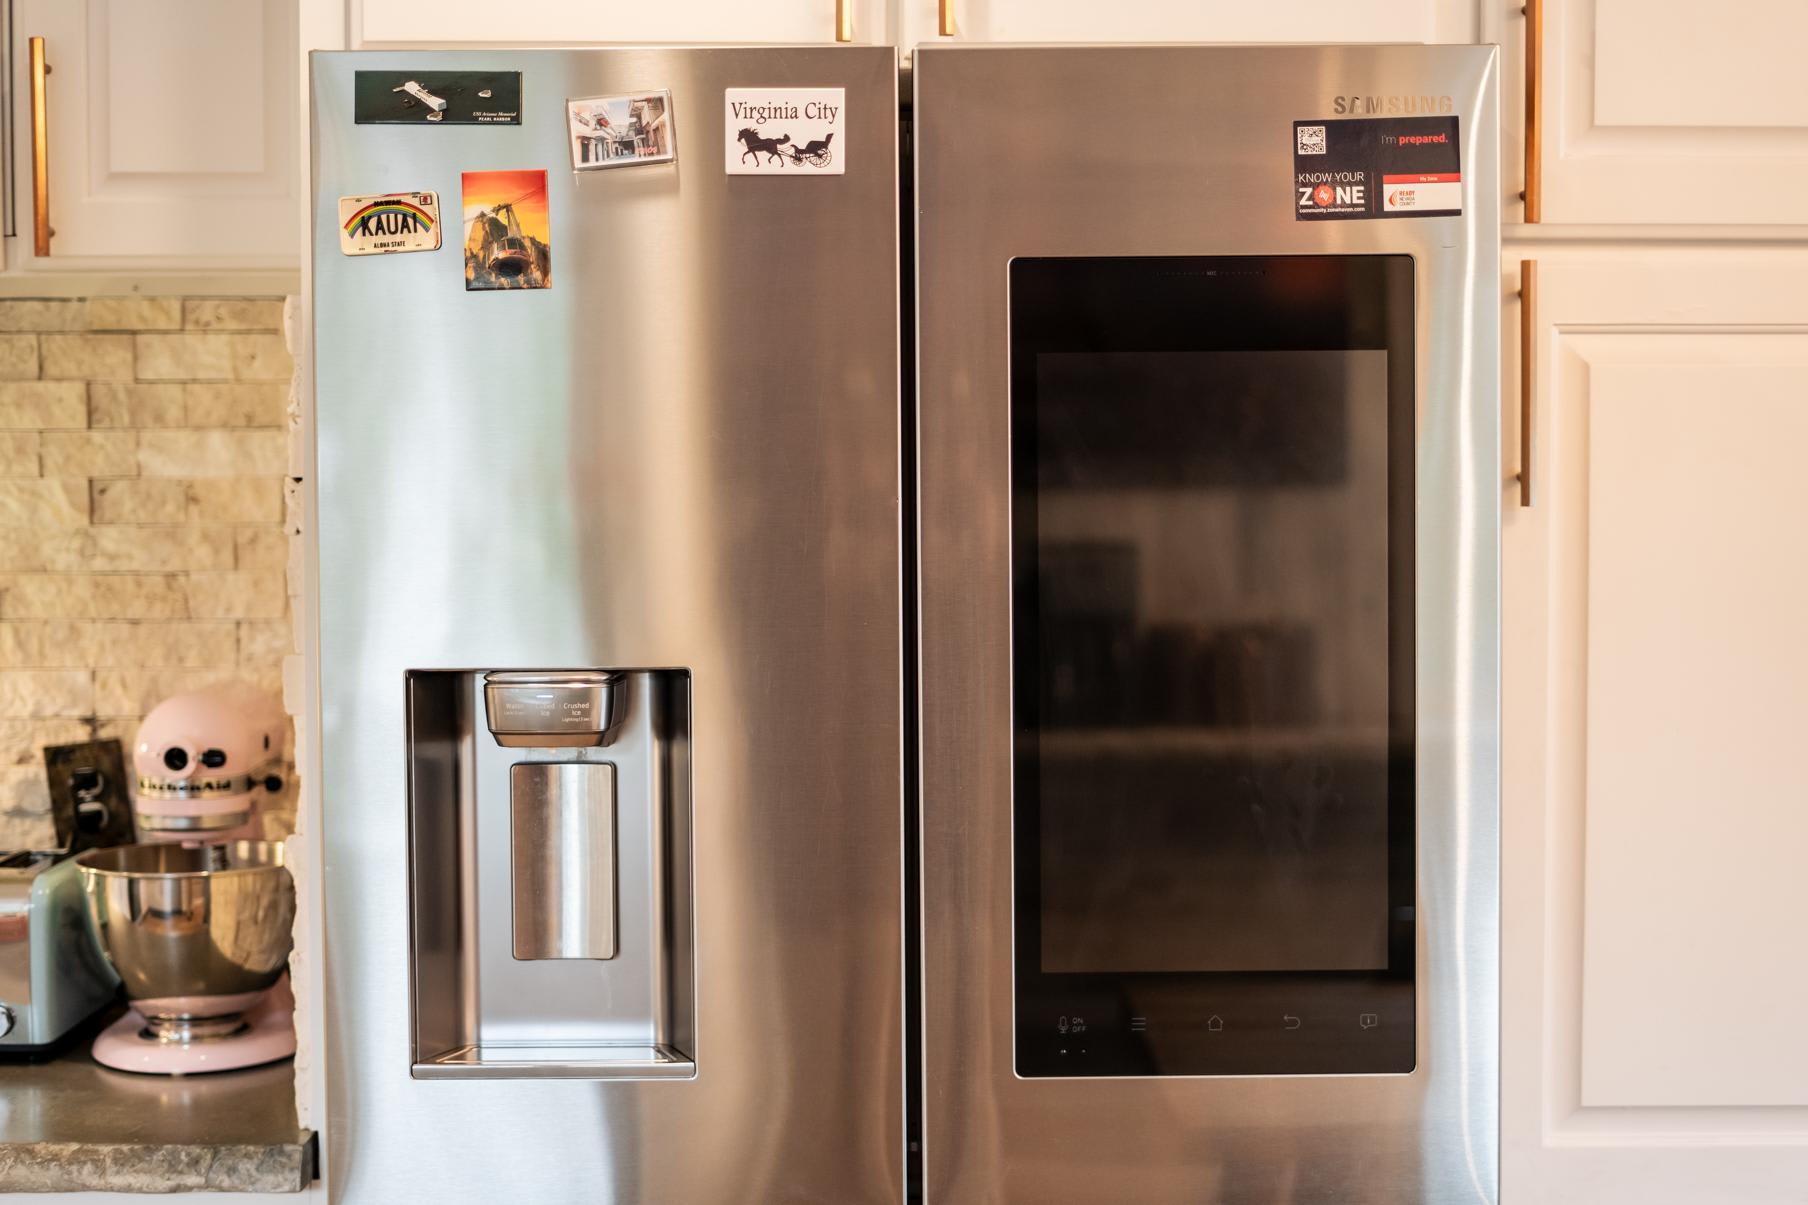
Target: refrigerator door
1209,465
680,462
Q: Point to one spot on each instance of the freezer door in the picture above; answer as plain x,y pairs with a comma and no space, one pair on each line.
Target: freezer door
1208,464
678,460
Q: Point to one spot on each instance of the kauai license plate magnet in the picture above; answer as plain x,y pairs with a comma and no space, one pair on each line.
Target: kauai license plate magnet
389,222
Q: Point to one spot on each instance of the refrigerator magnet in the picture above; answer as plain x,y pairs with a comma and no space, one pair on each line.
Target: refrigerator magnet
785,131
1392,167
508,230
453,98
620,131
388,223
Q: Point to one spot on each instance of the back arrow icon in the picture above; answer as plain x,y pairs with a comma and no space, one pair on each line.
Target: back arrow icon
1290,1021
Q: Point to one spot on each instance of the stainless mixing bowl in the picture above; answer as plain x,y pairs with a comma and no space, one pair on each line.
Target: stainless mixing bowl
195,932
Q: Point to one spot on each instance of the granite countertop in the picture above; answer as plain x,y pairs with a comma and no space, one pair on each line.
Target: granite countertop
69,1125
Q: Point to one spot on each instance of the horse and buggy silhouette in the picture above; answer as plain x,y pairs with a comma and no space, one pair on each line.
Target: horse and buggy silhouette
816,153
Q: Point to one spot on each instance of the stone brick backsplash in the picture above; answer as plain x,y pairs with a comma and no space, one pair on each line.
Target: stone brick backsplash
143,464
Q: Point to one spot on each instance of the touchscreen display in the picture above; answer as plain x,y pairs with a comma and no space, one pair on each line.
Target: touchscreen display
1211,581
1212,518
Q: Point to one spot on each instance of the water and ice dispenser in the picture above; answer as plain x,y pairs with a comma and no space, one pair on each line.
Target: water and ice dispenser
550,884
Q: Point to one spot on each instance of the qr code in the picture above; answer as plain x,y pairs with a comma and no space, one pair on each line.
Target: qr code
1311,139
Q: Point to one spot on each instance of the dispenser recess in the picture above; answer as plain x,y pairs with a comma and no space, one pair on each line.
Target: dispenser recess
550,895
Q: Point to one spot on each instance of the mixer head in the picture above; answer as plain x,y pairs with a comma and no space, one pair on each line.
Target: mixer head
204,760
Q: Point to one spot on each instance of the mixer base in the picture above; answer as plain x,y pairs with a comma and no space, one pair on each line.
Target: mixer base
268,1034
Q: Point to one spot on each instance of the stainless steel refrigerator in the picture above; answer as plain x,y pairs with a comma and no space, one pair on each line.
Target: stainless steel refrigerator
610,653
1070,779
1209,488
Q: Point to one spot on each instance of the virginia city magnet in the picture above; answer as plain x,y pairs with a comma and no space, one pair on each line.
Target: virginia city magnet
389,222
785,131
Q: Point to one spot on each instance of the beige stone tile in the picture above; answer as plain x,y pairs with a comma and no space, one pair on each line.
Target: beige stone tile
185,357
233,313
87,357
22,741
42,314
187,452
261,358
36,405
19,357
18,453
121,728
25,809
136,691
263,643
127,404
212,356
131,548
134,313
154,643
43,502
29,828
237,404
39,693
262,548
52,643
235,500
90,453
242,594
93,596
139,500
22,548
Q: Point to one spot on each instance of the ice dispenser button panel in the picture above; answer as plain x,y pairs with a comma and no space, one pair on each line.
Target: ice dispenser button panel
551,710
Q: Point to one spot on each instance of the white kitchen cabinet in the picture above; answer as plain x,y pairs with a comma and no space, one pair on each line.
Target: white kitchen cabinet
548,22
1665,111
1655,670
1193,21
171,133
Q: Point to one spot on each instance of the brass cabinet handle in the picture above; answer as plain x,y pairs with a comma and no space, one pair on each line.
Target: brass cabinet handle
944,18
1528,363
1534,110
844,20
40,153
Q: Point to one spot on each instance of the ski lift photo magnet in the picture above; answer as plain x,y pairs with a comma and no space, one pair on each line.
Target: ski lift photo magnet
508,231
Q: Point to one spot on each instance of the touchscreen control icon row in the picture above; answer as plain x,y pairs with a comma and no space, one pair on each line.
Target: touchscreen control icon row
1215,1023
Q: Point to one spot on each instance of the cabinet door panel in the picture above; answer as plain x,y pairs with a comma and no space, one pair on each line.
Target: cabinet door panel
538,22
1655,676
171,131
1668,113
1198,21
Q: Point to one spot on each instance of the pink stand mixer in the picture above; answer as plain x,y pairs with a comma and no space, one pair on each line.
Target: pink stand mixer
197,920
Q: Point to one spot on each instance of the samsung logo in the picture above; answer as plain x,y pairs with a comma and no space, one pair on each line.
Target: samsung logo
1367,106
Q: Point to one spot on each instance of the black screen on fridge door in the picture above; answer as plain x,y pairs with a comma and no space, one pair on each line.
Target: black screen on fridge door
1212,605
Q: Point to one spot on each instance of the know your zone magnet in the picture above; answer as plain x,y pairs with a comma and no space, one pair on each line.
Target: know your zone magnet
785,131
